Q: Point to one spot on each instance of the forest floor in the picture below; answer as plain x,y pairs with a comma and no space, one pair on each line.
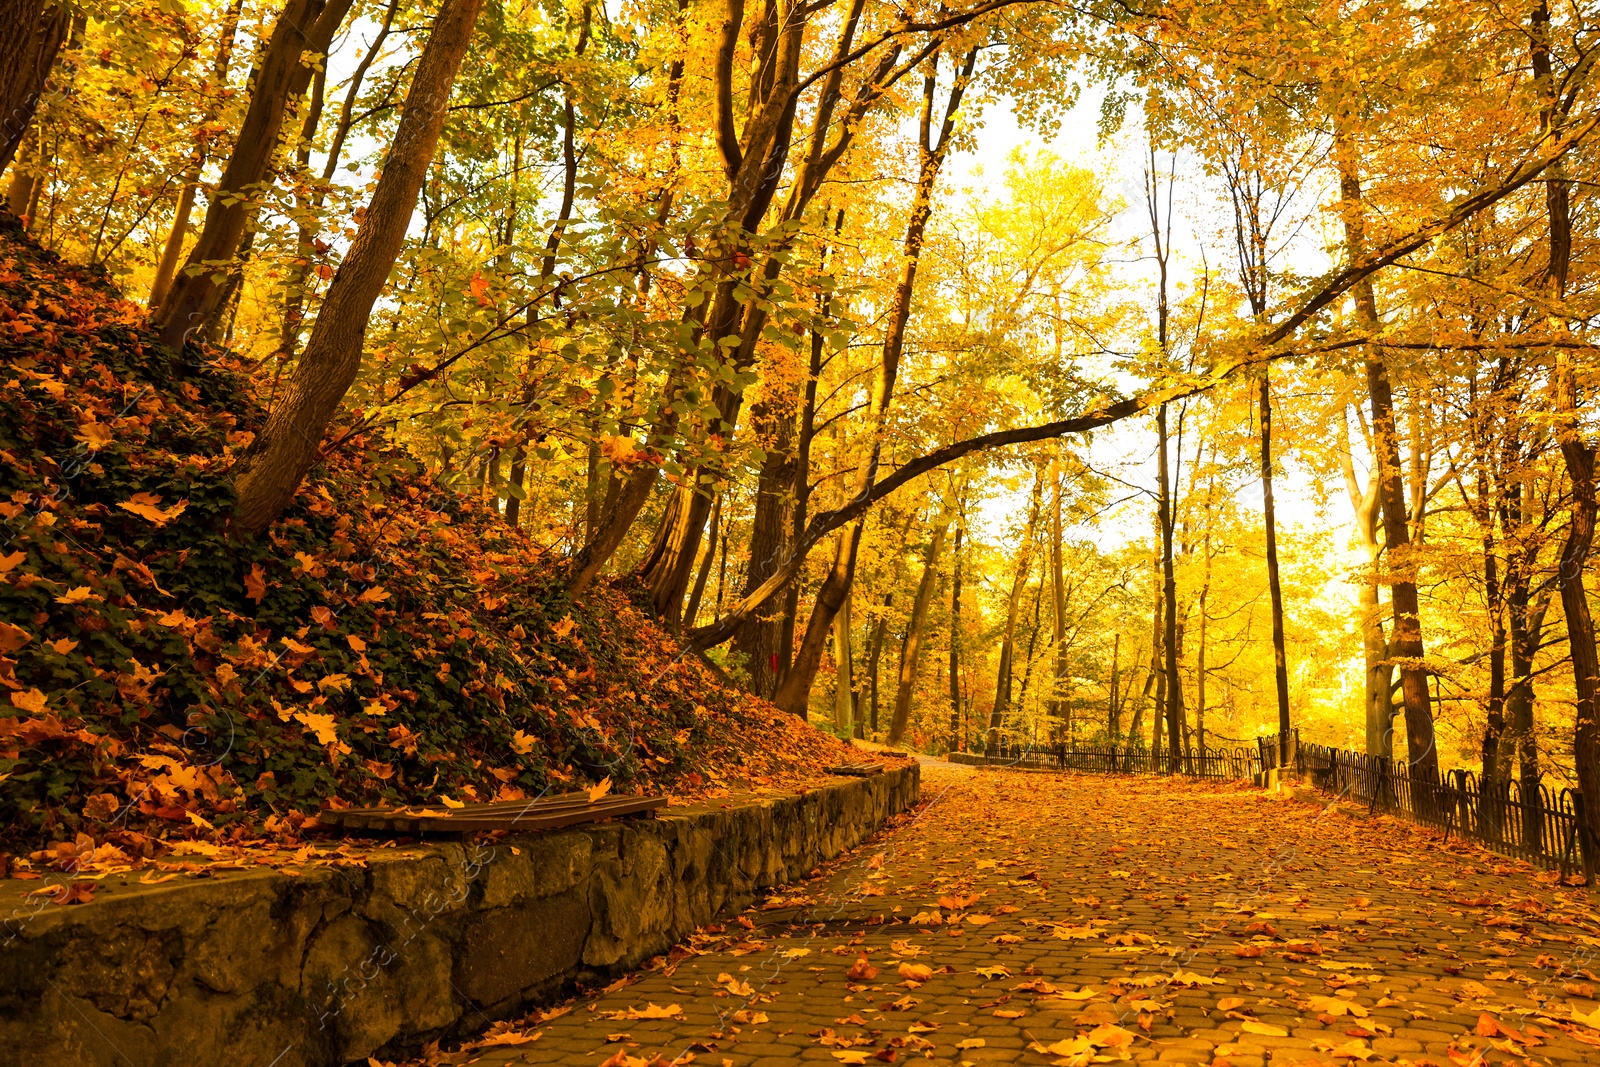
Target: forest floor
1043,918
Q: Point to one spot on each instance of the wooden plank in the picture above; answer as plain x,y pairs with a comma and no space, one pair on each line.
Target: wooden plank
544,813
560,800
857,770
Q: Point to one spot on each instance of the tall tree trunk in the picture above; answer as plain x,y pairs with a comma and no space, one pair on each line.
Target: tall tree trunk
843,687
1270,515
753,163
1495,766
955,642
1525,625
178,232
27,174
914,633
1027,659
293,317
706,557
290,441
1173,704
1204,599
769,537
1365,506
1422,756
794,692
1059,721
782,493
1578,455
1157,677
1113,706
31,34
880,632
1019,581
197,292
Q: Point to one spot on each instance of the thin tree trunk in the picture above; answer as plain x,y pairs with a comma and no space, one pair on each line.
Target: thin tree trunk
1205,596
1365,506
1422,756
1525,622
1002,693
294,304
290,441
880,631
292,316
693,610
1578,455
1173,702
843,711
914,634
1058,609
178,232
1156,678
753,164
196,297
24,178
955,642
1113,708
794,692
1027,659
1280,662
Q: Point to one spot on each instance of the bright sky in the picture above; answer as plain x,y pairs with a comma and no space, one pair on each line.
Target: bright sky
1129,450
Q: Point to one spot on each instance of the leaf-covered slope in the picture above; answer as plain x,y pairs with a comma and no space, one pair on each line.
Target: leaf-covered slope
388,639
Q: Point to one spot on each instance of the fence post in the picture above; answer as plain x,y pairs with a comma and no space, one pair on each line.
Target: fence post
1588,847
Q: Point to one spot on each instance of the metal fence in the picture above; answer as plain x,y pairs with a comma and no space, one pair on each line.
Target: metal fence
1525,820
1219,764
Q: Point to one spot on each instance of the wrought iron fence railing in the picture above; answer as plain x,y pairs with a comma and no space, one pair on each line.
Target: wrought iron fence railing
1217,764
1524,820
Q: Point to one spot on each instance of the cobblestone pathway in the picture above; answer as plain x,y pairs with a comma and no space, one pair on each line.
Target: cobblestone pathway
1036,918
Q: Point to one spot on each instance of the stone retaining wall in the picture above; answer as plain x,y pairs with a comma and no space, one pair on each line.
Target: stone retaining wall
264,969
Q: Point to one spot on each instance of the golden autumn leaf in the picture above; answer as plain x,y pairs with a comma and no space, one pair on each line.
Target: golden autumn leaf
861,971
323,726
597,791
147,506
1086,993
649,1011
96,435
10,562
30,700
336,683
255,583
12,637
1335,1006
1251,1026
